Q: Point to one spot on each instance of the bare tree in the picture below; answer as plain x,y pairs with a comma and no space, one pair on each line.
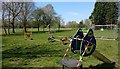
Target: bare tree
9,14
3,17
26,13
14,8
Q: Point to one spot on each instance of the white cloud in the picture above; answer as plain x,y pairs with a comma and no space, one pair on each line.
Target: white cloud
73,13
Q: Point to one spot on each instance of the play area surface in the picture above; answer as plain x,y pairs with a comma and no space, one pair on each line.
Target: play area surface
40,51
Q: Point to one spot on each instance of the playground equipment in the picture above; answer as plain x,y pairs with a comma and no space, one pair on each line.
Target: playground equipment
28,36
62,40
84,45
65,40
51,39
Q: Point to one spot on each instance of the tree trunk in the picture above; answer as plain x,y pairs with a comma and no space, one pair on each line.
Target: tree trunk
25,28
9,23
49,28
3,21
43,29
38,27
5,30
25,16
9,28
13,28
59,27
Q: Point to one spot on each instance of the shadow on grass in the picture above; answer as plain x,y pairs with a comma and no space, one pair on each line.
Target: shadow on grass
31,53
103,66
99,66
52,31
14,34
62,30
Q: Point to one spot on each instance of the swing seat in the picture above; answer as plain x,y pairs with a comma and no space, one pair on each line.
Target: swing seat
51,39
70,62
76,41
79,42
28,34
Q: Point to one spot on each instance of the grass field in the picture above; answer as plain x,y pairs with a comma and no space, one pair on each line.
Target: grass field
41,53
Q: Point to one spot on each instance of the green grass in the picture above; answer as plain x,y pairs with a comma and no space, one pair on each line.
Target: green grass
41,53
106,33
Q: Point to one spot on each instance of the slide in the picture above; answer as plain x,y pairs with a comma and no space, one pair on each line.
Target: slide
101,57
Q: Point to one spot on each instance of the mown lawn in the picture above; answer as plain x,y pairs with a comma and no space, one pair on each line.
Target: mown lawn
41,53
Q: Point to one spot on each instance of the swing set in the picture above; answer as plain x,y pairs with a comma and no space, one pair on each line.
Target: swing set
84,45
28,35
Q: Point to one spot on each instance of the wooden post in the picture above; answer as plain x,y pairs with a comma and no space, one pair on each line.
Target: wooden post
31,36
25,35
